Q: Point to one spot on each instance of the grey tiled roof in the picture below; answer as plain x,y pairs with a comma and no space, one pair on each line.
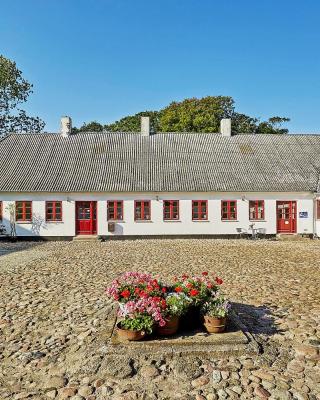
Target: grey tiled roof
128,162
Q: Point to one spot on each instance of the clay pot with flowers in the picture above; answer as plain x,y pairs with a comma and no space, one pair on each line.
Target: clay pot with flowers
141,304
176,305
199,289
215,312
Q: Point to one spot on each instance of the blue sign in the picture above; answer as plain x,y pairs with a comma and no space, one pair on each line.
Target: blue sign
303,214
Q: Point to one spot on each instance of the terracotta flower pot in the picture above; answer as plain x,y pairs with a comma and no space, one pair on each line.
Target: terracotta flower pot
215,325
170,328
126,334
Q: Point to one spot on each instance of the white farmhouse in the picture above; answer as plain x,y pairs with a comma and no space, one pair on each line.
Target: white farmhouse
140,184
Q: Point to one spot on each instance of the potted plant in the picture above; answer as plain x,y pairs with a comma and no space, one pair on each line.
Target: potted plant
135,327
215,312
199,289
139,317
134,286
176,305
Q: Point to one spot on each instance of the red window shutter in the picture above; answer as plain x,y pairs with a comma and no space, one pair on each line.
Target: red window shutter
1,211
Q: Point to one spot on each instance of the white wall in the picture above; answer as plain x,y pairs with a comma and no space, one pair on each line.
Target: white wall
157,226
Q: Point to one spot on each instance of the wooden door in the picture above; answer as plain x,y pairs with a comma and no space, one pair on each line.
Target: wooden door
86,217
286,216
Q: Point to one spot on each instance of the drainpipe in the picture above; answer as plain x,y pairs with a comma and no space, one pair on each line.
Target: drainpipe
315,236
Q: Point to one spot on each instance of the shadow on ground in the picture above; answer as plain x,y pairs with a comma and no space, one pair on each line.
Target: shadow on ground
7,246
258,320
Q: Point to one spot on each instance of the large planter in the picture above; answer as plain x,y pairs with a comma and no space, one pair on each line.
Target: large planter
126,334
170,328
191,319
215,325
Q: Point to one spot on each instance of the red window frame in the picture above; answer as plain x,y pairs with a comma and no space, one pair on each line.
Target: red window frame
254,210
318,209
199,215
24,206
145,210
115,210
170,210
54,216
1,210
227,214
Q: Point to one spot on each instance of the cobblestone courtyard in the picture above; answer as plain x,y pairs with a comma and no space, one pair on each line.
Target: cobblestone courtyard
53,318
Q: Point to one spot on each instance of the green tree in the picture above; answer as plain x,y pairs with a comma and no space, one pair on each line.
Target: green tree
93,126
14,90
132,122
197,115
273,125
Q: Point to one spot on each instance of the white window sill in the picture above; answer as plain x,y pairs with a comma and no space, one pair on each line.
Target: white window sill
24,222
172,220
116,221
54,222
200,220
257,220
141,221
229,220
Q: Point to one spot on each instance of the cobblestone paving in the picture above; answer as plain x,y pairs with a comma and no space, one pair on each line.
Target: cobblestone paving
53,315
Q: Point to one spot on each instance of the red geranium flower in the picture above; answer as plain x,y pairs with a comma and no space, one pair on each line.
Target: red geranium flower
178,289
194,292
184,276
189,285
204,273
137,290
219,281
125,293
209,285
150,288
164,290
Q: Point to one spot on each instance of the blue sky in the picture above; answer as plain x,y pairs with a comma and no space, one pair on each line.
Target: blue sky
104,59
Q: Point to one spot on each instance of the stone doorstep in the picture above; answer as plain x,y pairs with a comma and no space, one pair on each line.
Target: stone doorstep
235,341
85,238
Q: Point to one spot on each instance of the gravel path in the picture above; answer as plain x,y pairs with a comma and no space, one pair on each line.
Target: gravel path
53,318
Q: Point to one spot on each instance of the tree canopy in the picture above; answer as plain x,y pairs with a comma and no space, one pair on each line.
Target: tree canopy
194,115
15,90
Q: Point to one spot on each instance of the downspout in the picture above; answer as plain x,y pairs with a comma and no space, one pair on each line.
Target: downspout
315,195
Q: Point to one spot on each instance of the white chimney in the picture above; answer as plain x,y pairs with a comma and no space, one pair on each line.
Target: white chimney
145,126
225,127
66,126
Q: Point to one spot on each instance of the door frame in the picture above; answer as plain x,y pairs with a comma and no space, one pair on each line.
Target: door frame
292,221
92,203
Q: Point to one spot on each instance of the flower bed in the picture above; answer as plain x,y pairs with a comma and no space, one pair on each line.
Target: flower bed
147,305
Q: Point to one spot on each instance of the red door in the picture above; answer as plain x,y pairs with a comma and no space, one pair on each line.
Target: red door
286,216
86,217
